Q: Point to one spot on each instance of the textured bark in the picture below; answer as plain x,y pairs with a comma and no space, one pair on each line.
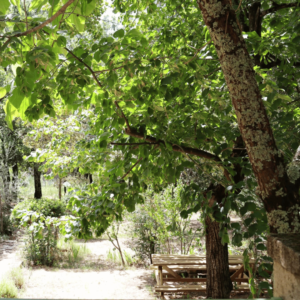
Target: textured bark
37,181
219,284
267,162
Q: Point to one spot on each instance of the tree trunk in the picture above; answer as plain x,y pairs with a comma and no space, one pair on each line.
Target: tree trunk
1,216
275,189
37,181
59,188
218,283
6,184
15,181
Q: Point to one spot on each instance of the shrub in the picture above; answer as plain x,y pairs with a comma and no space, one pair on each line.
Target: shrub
8,289
7,225
47,207
41,244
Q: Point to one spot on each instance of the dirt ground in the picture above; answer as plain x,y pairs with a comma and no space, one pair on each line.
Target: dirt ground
99,280
95,279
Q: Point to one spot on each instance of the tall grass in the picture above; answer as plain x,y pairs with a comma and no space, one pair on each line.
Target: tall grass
17,276
72,252
115,257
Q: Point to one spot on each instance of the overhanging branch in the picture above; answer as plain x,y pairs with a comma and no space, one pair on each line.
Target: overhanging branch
88,67
59,12
186,150
277,7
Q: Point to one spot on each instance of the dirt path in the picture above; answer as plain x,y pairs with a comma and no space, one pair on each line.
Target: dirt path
99,280
9,255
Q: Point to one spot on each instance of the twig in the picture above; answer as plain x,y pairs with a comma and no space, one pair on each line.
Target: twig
123,116
239,6
25,14
125,144
89,68
217,69
59,12
131,168
198,52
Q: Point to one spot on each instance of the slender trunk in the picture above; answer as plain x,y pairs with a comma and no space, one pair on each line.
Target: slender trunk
15,181
219,284
59,188
1,216
275,189
37,181
6,184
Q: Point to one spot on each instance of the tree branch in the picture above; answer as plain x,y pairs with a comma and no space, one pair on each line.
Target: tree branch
59,12
131,168
277,7
89,68
130,144
123,116
188,150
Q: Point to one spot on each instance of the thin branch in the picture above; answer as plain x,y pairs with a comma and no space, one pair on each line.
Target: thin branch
293,101
277,7
59,12
131,168
215,70
130,144
198,52
239,6
89,68
192,151
123,116
25,14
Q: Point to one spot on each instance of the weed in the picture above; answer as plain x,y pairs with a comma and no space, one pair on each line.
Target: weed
17,276
8,289
72,252
115,257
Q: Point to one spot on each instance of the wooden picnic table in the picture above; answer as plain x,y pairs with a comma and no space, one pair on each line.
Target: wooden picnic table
192,263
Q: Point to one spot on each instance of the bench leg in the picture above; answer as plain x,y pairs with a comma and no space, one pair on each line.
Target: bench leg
160,276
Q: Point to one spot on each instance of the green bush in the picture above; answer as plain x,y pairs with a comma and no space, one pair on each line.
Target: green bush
47,207
7,225
41,245
8,289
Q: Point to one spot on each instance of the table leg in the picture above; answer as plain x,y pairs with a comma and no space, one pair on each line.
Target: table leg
160,275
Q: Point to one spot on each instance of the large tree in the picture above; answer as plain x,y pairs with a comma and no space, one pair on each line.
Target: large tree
164,81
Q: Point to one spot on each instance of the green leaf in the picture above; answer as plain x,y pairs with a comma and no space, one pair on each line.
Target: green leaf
166,80
16,98
119,33
4,6
237,239
261,247
184,214
2,92
235,226
61,41
37,4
